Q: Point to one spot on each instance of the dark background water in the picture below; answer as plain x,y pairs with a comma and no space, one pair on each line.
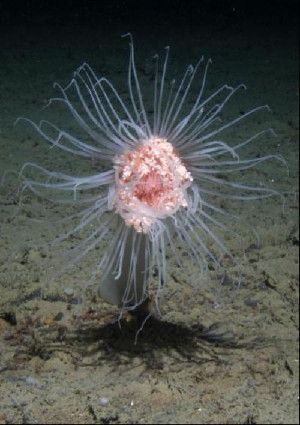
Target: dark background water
159,13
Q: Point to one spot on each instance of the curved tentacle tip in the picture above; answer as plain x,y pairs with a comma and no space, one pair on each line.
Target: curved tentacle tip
268,108
16,122
25,120
129,35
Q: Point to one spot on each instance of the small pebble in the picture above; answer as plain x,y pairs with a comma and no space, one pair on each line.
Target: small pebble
103,401
69,291
30,380
250,302
59,316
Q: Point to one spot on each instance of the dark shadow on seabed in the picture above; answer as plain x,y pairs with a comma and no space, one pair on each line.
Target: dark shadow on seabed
89,344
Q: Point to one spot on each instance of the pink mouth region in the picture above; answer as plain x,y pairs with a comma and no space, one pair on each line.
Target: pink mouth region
150,188
151,183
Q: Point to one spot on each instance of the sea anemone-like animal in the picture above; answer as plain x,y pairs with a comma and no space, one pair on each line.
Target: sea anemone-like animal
159,173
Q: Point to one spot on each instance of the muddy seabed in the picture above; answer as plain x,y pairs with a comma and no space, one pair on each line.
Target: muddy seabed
221,353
